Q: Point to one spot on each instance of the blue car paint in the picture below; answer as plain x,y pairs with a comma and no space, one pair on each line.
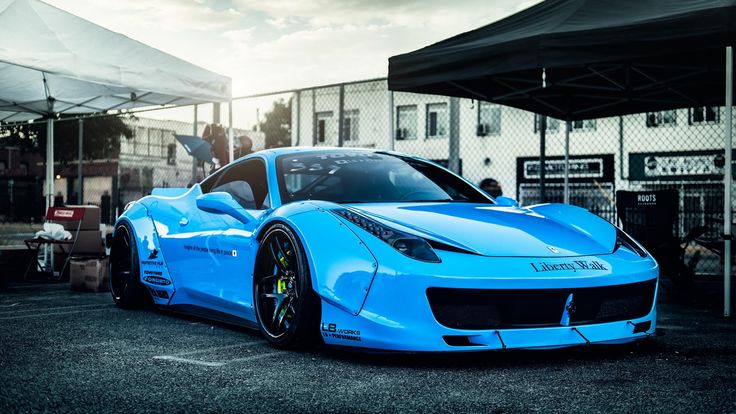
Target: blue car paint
373,296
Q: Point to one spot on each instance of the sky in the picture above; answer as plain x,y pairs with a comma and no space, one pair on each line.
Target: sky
275,45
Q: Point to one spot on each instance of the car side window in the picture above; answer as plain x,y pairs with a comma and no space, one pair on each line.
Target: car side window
246,182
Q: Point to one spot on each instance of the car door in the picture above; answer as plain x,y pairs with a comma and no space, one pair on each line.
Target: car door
227,251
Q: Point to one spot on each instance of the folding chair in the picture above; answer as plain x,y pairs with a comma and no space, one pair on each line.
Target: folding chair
55,214
651,217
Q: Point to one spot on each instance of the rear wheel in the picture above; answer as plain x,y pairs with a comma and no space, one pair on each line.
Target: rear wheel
287,309
125,285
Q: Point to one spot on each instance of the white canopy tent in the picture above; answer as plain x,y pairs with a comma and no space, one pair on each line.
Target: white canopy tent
53,63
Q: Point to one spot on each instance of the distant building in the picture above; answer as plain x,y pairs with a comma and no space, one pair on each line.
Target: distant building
677,148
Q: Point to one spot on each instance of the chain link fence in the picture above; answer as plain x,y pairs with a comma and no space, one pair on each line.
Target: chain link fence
679,149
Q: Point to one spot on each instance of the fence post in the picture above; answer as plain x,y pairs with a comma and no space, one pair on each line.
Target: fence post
80,167
314,118
194,159
566,190
341,117
453,160
391,132
728,182
298,120
230,138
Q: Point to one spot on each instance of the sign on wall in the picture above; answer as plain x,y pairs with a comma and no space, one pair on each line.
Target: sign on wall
676,166
583,168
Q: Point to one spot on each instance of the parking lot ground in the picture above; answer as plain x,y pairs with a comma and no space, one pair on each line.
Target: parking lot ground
63,351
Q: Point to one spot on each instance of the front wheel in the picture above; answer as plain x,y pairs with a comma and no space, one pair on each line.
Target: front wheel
287,309
125,285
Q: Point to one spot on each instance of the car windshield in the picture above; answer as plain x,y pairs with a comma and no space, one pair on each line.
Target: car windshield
368,177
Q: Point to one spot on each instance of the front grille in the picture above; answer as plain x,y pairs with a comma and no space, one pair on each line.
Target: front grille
527,308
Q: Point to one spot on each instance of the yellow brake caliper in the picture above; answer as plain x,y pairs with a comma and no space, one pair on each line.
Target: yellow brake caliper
280,286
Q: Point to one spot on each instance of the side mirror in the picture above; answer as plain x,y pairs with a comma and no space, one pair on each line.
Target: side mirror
219,202
506,201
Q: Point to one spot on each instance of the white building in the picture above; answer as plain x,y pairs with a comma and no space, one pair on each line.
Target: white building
671,148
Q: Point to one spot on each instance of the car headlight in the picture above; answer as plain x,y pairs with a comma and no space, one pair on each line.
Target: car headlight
406,244
623,239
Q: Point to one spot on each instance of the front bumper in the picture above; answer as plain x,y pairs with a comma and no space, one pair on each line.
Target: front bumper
397,315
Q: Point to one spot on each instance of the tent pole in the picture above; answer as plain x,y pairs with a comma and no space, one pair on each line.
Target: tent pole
542,158
727,182
194,159
49,162
80,167
230,131
391,133
568,125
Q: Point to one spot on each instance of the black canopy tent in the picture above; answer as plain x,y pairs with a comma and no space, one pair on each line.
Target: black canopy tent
600,58
582,59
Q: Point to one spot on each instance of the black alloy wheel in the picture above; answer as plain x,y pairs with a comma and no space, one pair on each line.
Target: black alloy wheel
125,287
286,307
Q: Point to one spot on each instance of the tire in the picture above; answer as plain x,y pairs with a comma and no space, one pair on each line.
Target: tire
125,285
287,308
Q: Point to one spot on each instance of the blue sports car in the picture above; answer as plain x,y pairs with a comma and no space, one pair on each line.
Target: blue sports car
381,250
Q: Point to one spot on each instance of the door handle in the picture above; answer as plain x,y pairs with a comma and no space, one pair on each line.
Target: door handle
184,221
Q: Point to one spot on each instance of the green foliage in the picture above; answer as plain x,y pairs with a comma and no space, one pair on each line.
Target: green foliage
277,125
101,137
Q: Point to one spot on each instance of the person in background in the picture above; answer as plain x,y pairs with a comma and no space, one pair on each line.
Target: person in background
246,146
215,135
492,187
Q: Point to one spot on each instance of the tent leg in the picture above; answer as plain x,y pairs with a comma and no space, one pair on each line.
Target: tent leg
391,133
231,147
48,255
727,182
568,125
542,158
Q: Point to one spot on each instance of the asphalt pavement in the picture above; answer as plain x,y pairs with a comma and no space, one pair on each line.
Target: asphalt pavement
64,351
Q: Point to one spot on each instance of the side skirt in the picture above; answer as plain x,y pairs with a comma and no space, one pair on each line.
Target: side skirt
206,313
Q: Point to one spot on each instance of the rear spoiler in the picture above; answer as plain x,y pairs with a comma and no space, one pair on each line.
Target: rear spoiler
169,192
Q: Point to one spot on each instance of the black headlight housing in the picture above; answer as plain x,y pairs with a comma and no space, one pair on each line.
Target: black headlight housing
407,244
623,239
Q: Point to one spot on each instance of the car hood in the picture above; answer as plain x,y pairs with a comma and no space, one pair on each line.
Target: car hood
550,230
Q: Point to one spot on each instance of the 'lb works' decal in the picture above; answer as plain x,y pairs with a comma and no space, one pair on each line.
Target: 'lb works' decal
573,266
330,330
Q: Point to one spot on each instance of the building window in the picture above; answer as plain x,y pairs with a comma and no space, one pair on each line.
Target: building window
661,118
323,129
406,122
553,125
350,125
171,154
489,119
583,125
437,120
704,115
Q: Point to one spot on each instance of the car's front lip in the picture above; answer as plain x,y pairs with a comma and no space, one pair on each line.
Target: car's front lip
397,316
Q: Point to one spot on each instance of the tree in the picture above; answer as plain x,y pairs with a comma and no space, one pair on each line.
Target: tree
276,125
101,137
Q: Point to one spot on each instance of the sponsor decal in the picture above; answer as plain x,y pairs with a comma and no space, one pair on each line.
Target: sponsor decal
152,263
573,266
153,254
216,251
155,280
64,213
330,330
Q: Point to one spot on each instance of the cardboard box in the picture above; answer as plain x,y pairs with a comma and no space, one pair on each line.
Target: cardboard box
91,220
89,274
89,243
